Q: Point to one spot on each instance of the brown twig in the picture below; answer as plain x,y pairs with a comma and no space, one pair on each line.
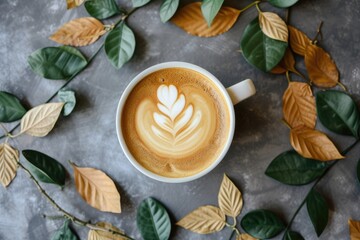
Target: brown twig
318,33
68,215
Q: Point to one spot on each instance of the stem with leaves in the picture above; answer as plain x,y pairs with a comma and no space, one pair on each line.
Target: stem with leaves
68,215
315,184
71,78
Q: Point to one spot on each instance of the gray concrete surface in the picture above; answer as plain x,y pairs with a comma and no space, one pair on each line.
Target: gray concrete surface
88,136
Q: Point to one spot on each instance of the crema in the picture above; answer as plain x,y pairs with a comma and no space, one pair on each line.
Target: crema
175,122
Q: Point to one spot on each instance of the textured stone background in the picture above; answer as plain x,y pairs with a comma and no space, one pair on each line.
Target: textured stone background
88,136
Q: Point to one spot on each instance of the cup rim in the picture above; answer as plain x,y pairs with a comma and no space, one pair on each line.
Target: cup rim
127,91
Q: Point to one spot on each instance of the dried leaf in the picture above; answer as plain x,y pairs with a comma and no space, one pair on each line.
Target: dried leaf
39,121
97,189
204,220
321,68
9,157
299,105
286,64
73,3
191,20
230,198
102,235
311,143
79,32
354,227
273,26
298,40
245,236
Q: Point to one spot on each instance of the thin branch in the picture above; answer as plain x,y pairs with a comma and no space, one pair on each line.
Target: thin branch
68,215
318,33
316,182
249,6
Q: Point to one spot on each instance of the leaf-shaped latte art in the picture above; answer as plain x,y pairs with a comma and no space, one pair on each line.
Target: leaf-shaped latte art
170,106
175,122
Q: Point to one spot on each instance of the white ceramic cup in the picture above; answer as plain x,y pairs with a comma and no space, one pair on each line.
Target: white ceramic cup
232,95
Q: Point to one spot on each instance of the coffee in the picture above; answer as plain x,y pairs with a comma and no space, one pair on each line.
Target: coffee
175,122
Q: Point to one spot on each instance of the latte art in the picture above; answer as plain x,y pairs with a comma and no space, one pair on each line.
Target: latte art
175,122
176,128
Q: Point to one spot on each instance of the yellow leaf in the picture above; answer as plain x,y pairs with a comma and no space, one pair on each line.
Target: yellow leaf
97,189
230,199
73,3
286,64
39,121
354,227
79,32
273,26
321,68
9,158
203,220
298,40
311,143
190,19
299,105
245,236
102,235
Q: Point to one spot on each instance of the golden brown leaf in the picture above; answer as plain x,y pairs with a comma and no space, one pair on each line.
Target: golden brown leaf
298,40
9,158
311,143
299,105
79,32
204,220
273,26
321,68
73,3
102,235
230,199
97,189
40,120
354,227
190,19
245,236
286,64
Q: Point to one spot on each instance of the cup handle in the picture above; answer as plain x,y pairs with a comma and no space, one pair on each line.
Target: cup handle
241,91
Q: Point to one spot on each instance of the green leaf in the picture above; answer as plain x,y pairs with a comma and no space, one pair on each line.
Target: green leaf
120,45
318,211
57,62
102,9
68,97
210,9
338,112
153,220
358,171
139,3
293,169
259,50
168,9
282,3
64,233
10,108
290,235
262,224
45,168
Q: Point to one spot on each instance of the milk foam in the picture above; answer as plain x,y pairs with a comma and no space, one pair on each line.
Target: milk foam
175,122
175,129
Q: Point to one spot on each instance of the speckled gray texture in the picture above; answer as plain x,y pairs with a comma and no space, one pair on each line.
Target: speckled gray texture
88,136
